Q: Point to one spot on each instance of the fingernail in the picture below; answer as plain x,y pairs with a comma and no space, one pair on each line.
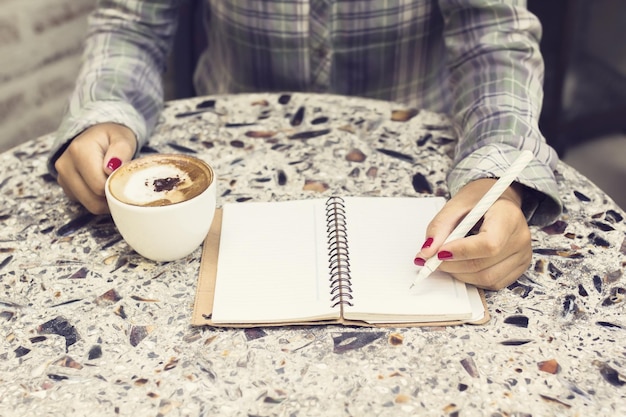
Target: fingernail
428,242
419,261
114,163
444,254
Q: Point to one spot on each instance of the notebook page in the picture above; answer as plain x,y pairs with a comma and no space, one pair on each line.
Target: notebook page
384,235
268,269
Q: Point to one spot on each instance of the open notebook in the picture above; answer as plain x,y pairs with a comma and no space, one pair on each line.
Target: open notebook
319,261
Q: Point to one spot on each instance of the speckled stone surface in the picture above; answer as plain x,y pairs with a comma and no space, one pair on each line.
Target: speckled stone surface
90,328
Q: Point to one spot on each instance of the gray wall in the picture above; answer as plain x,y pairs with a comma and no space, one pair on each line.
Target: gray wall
40,48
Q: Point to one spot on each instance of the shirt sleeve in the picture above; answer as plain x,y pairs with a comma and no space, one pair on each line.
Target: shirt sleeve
496,77
120,80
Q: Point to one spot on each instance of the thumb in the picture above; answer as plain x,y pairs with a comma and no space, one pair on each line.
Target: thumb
122,146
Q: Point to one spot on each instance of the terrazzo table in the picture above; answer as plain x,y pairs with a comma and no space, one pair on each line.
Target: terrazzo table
88,327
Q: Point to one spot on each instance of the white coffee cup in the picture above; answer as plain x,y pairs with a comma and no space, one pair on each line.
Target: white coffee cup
163,204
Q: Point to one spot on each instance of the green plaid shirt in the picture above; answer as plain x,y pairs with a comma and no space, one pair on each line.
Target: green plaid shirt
476,60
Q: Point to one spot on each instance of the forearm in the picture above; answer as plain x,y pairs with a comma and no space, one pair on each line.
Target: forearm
496,80
120,79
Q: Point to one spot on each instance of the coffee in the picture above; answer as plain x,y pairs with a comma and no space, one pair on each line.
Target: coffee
160,180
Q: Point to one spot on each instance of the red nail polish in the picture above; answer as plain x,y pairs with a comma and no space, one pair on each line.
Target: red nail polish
444,254
114,163
428,242
419,261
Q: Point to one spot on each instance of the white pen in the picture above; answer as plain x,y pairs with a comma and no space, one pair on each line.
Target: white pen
478,211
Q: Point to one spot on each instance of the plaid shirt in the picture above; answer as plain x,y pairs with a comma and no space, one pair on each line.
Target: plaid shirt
477,60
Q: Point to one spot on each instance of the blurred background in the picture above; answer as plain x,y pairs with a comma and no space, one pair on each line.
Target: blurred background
584,109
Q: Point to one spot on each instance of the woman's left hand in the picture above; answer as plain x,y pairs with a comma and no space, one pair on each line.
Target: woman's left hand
493,258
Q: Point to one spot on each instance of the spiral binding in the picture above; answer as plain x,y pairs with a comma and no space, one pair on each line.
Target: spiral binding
338,253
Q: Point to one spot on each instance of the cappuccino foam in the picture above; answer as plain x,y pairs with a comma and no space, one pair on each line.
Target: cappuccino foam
160,180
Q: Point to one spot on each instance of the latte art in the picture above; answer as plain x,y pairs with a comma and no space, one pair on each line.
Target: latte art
160,180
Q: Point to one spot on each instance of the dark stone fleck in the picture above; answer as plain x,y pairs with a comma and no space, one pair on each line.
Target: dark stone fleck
470,367
555,272
254,333
602,226
60,326
520,289
394,154
613,216
284,98
564,253
310,134
81,273
189,113
463,387
597,283
581,196
95,352
420,184
423,139
515,342
75,224
244,124
319,120
540,266
148,149
21,351
608,324
610,375
138,333
347,341
108,298
243,199
56,377
569,305
37,339
206,104
582,291
298,117
7,315
75,300
237,144
180,148
208,144
6,261
599,241
272,400
46,230
518,320
282,177
555,228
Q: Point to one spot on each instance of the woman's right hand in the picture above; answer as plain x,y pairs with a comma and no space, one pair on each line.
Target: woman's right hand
90,158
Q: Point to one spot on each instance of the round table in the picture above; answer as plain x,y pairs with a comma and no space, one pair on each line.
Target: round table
91,328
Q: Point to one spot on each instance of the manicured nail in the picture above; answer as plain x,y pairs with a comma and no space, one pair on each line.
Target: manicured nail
444,254
419,261
428,242
114,163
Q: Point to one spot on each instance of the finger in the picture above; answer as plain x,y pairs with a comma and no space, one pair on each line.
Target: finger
495,277
76,189
503,231
121,149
